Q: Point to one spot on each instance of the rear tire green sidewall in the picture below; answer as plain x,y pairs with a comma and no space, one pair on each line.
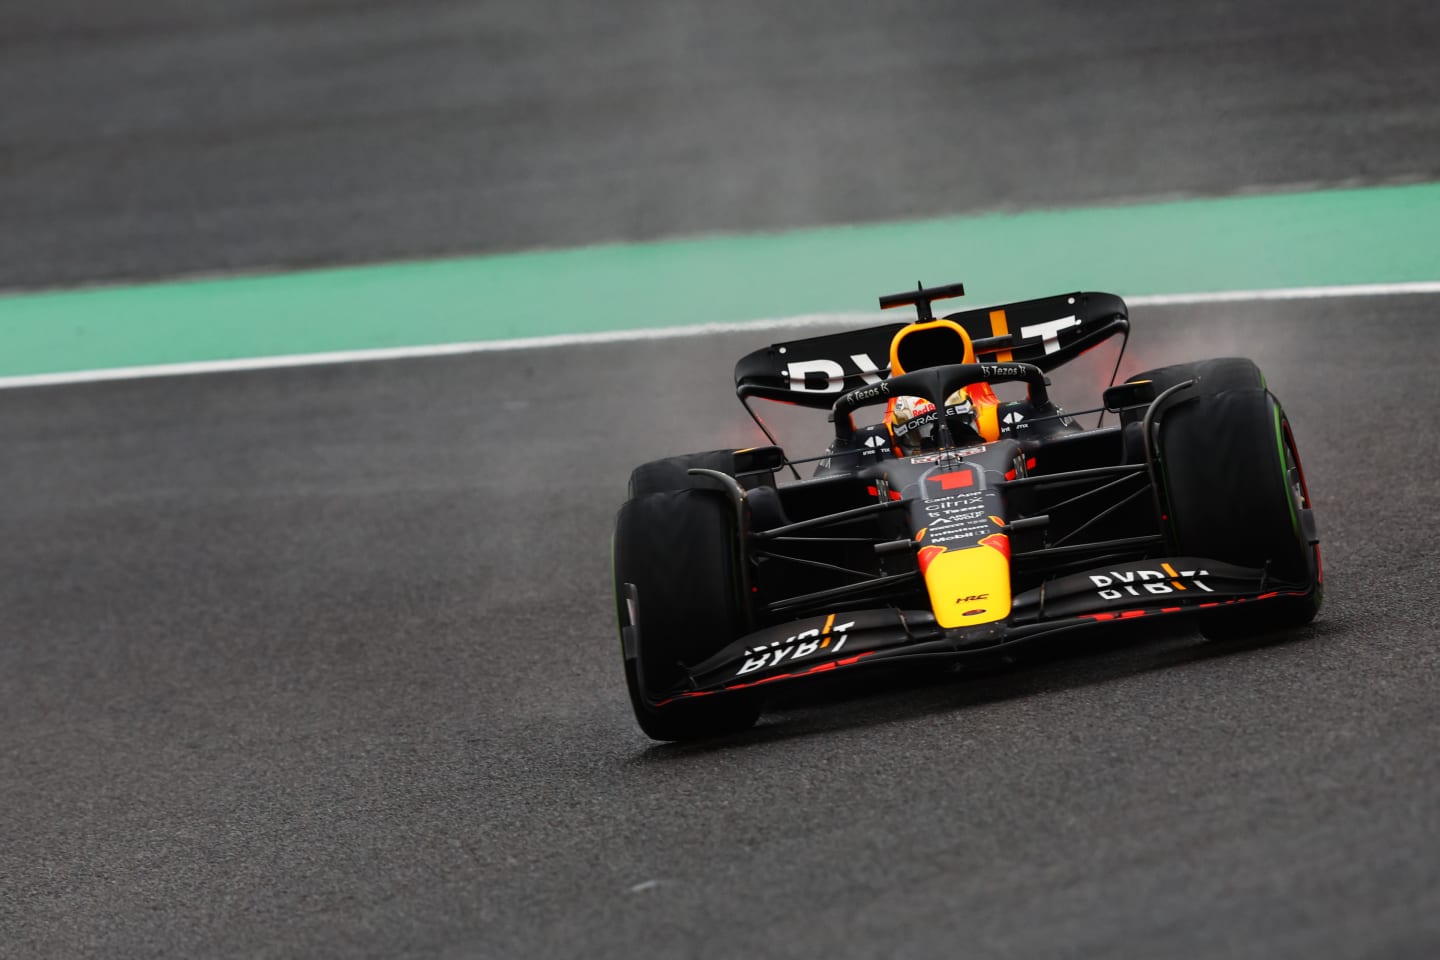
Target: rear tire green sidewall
1226,461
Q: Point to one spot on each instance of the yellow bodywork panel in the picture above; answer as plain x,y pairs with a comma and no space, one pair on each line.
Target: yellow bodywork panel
967,587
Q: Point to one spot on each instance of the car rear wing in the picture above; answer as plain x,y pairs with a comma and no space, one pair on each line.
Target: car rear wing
1045,332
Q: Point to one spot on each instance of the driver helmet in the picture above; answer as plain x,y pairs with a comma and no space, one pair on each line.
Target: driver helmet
915,424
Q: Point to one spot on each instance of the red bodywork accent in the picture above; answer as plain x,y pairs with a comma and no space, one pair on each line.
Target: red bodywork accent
998,541
954,480
1029,465
818,668
1132,614
926,555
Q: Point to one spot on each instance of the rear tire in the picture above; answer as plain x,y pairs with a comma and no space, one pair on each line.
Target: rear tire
658,476
679,550
1212,377
1235,491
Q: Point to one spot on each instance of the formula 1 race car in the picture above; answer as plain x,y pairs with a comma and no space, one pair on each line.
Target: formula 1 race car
966,526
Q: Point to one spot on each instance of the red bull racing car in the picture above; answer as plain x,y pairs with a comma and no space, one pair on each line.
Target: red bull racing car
960,524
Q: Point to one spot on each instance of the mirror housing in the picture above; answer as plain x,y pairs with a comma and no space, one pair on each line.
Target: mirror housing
1137,393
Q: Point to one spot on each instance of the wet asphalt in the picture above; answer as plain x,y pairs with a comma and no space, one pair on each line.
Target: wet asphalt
320,662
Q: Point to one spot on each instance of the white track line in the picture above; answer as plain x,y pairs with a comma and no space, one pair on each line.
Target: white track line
1287,293
657,333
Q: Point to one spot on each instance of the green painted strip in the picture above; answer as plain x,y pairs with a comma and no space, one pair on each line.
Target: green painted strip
1370,235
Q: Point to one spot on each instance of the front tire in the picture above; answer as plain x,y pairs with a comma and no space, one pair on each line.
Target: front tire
679,553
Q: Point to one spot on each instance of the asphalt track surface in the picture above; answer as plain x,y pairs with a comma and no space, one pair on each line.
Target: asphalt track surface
320,662
163,137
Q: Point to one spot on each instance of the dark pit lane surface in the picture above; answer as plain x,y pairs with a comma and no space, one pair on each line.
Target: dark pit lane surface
321,662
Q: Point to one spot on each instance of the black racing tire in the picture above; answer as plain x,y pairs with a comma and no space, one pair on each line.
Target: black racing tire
671,473
679,550
1233,490
1212,377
